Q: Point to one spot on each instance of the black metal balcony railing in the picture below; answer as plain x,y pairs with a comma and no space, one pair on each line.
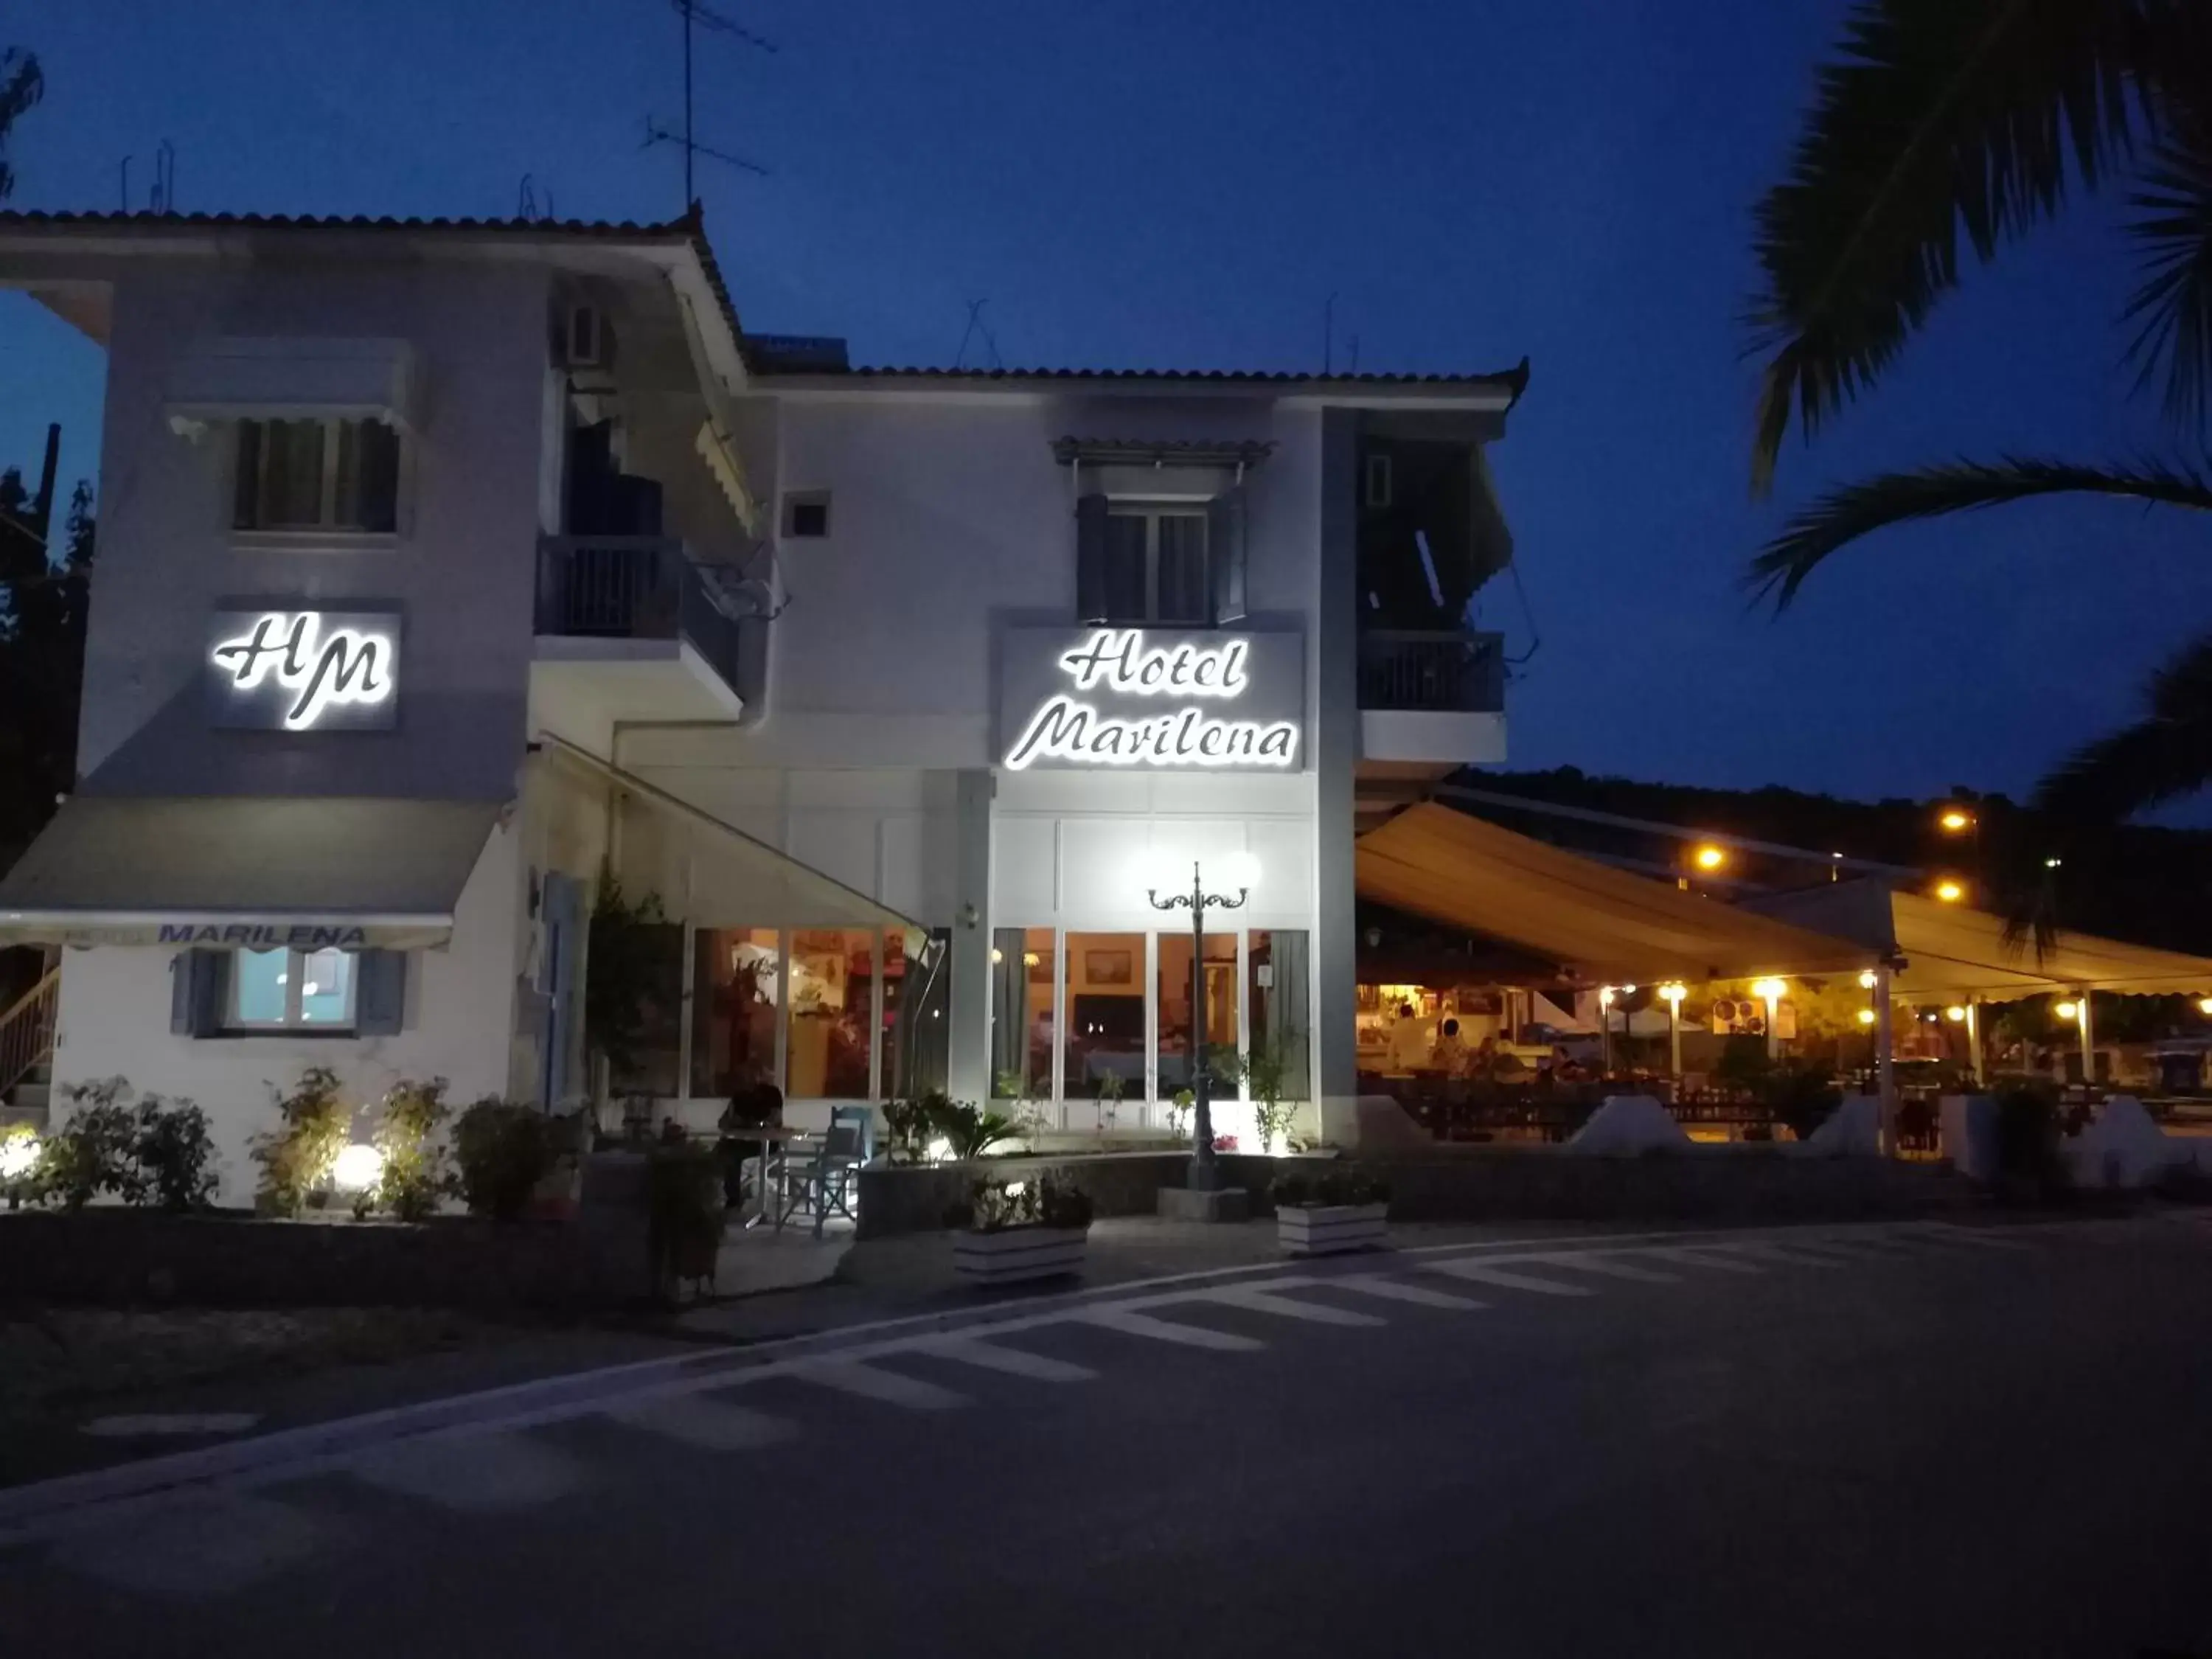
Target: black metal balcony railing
635,587
1433,673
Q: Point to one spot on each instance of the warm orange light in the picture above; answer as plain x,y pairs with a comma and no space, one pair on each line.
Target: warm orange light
1949,891
1866,1016
1954,821
2204,1004
1710,857
2067,1011
1955,1012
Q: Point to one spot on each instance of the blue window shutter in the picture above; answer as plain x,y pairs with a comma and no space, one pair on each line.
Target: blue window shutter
180,992
1224,554
1092,602
380,1007
200,981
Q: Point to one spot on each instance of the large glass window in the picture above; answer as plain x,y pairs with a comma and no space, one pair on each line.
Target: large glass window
917,1012
1175,993
317,475
1281,989
652,964
735,993
1105,1011
273,989
1021,1013
833,979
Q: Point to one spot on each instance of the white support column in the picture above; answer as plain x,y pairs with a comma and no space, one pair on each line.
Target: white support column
1885,1066
967,1061
2089,1040
1981,1069
1332,721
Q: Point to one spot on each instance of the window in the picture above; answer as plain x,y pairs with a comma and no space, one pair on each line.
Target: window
833,988
917,1012
273,990
735,996
1021,1013
1156,565
1105,1010
1282,1019
1174,989
318,474
807,514
1378,479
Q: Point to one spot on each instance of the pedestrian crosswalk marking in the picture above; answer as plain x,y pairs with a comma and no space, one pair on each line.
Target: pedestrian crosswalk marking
873,1382
1397,1289
471,1472
707,1424
1613,1267
1132,1323
1968,1235
1795,1253
1268,1301
1014,1362
205,1545
1703,1255
1484,1272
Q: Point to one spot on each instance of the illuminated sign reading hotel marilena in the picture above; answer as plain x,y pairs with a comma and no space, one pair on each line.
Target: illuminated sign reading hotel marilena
1122,697
304,671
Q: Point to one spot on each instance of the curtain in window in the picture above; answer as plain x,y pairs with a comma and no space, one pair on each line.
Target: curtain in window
291,474
1184,597
1125,567
917,1012
1282,1008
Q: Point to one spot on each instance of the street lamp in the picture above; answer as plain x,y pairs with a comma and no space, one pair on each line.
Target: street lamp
1241,871
1950,891
1710,857
1955,821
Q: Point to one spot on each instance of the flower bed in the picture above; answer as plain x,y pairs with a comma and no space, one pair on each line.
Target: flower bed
1331,1213
1006,1232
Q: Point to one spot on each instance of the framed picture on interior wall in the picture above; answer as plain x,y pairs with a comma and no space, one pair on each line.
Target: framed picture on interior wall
1039,963
1109,967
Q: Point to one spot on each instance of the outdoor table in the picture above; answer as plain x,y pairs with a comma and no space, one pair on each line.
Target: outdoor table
771,1136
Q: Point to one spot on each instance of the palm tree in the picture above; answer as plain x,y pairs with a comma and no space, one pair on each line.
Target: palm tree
21,85
1944,115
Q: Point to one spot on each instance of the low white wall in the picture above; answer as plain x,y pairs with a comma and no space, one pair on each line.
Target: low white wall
114,1021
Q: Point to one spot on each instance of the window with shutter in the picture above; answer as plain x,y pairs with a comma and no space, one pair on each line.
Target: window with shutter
317,474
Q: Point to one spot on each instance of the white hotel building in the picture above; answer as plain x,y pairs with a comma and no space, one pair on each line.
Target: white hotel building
443,565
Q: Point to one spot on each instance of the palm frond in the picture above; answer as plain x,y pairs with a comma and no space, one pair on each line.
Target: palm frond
1843,516
1971,114
21,85
2172,228
2161,757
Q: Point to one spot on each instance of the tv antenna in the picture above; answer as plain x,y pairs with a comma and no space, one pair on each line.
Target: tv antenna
698,13
977,326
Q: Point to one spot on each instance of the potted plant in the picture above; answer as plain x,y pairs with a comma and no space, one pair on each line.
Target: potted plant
1006,1232
1328,1214
684,1214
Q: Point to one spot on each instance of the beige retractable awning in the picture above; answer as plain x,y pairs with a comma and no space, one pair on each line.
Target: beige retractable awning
256,872
1953,951
1603,925
736,874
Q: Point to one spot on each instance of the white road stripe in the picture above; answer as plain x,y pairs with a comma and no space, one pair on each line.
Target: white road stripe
1014,1362
1592,1261
205,1545
873,1382
1268,1301
708,1425
1483,1273
1795,1254
468,1472
1131,1323
1397,1289
1704,1257
1974,1236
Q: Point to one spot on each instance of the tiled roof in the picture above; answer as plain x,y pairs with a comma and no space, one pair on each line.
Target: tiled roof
1514,379
616,229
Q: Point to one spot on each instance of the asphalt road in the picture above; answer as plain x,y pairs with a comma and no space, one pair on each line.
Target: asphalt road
1873,1441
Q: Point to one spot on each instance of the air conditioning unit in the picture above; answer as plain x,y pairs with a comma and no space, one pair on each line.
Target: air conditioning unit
587,340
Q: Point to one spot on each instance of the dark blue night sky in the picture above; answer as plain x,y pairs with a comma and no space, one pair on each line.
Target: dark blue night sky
1183,184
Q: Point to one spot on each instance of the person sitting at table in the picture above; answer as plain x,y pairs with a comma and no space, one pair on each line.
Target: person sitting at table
754,1106
1450,1055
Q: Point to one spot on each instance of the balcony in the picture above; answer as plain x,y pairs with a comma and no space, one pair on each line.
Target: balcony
1431,697
635,627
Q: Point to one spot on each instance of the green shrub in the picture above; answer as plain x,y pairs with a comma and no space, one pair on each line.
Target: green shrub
684,1212
908,1123
296,1157
1800,1093
415,1176
1334,1188
174,1153
969,1132
21,1155
992,1206
94,1150
504,1150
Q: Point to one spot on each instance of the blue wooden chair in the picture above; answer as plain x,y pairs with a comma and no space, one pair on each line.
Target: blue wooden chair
825,1177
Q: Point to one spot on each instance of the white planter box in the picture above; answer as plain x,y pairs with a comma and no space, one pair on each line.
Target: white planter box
1015,1254
1329,1230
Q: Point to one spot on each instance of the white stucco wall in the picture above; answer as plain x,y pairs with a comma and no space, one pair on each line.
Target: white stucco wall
114,1021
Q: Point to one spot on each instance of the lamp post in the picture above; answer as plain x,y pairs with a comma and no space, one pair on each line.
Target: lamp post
1674,991
1242,871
